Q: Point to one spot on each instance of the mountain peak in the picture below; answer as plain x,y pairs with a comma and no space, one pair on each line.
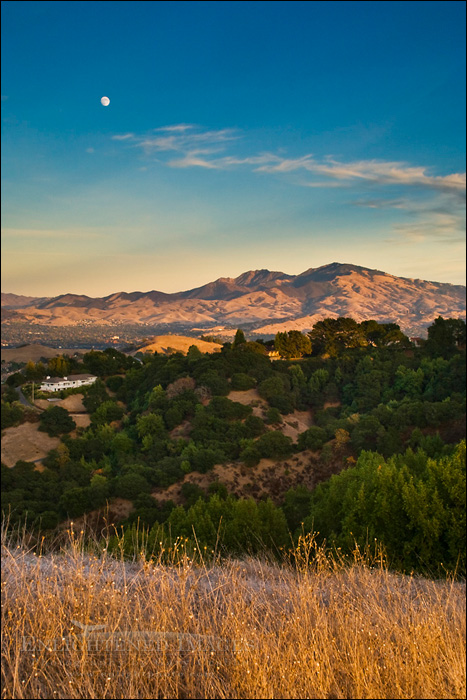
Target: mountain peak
254,278
327,273
264,300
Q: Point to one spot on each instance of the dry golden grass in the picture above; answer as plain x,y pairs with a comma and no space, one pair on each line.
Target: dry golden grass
25,442
179,343
34,352
240,629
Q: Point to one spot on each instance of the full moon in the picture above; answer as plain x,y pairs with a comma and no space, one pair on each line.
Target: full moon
105,101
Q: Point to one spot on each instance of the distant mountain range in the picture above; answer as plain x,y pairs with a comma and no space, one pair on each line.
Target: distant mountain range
258,300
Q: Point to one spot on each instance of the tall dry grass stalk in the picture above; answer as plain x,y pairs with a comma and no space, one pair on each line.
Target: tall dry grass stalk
236,629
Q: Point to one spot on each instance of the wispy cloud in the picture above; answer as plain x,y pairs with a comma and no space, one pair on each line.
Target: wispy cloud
186,139
446,228
176,127
123,137
370,171
440,217
193,159
200,148
432,204
381,203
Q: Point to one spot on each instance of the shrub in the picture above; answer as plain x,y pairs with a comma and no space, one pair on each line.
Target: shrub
242,382
312,439
273,415
274,444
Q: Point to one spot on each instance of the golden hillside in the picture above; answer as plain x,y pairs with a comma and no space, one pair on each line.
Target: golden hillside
179,343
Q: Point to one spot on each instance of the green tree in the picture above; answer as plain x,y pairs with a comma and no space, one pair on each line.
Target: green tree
292,344
74,502
130,485
58,366
274,444
316,384
383,334
194,354
312,439
366,432
151,424
408,382
95,394
273,416
11,414
296,506
107,412
272,387
157,400
414,506
56,420
242,382
99,491
15,379
34,372
218,385
445,335
239,338
250,454
274,533
332,335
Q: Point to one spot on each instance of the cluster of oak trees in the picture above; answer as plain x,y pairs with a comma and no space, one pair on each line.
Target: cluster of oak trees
393,411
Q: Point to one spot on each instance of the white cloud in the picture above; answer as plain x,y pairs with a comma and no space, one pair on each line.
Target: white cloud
176,127
370,171
182,138
191,160
446,228
123,137
431,203
380,203
188,140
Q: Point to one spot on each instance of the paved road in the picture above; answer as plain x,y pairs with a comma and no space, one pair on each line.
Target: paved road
24,400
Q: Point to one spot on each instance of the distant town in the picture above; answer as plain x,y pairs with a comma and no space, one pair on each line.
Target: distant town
87,335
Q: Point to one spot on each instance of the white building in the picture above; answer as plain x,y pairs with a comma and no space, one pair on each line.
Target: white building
71,382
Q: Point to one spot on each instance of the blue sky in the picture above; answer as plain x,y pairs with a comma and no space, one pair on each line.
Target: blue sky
239,135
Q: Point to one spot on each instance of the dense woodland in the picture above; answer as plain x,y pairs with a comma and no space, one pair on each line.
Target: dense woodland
388,436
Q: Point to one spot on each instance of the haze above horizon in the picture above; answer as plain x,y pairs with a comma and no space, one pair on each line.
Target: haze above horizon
239,136
242,282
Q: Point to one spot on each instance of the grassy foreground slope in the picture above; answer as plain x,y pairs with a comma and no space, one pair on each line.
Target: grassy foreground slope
244,629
